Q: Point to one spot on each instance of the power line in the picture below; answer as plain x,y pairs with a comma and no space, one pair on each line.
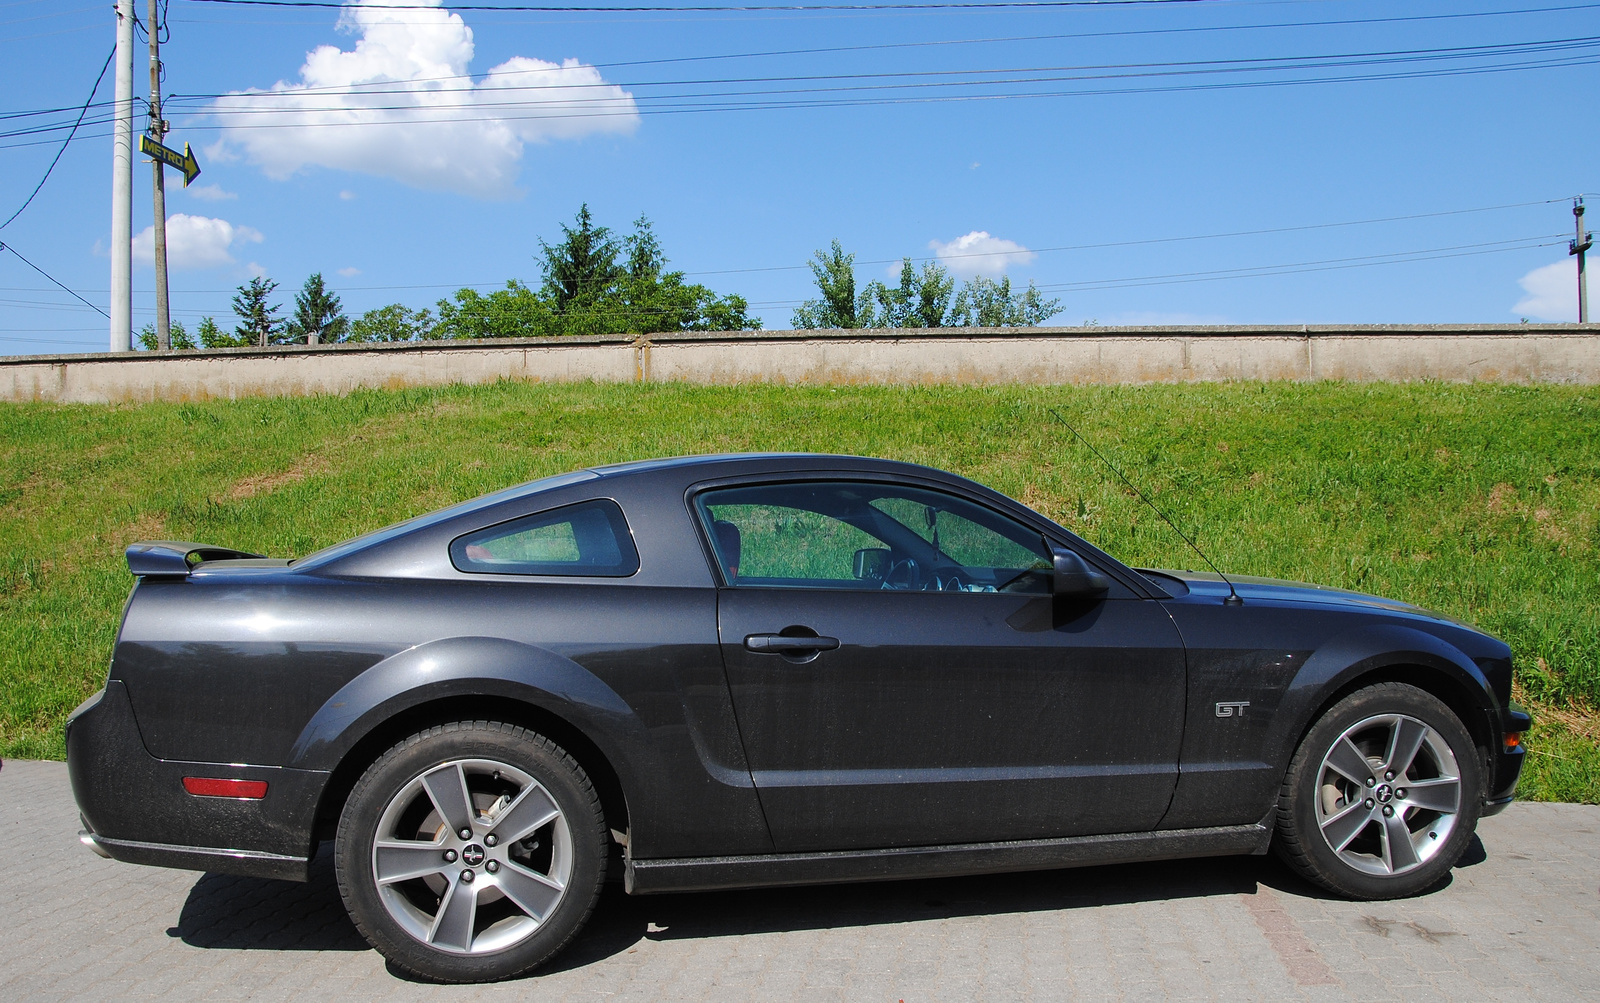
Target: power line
629,105
721,8
7,247
64,143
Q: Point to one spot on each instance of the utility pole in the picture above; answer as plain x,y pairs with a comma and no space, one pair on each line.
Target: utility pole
122,186
1578,246
158,170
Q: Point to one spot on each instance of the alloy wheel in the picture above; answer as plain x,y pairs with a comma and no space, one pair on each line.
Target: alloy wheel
1388,794
472,856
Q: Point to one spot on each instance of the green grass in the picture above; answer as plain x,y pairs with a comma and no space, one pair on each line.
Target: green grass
1479,501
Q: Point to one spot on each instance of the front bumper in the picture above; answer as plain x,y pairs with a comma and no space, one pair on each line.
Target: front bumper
1506,764
135,809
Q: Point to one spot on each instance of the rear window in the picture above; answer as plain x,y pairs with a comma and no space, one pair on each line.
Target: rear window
587,540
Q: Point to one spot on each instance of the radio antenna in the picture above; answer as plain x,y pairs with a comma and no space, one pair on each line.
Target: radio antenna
1233,596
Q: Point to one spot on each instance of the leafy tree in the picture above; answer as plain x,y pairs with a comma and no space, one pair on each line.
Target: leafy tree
259,324
921,300
318,315
986,303
839,306
394,322
212,336
595,283
513,312
180,336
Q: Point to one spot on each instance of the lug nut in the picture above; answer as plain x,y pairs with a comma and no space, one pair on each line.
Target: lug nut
489,840
1370,802
1372,782
1401,793
449,856
1388,774
492,866
466,877
466,834
1388,810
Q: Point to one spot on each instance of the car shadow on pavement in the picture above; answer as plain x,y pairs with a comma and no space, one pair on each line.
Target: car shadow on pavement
232,913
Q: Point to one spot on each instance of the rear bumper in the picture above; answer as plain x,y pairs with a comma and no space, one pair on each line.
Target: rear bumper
135,808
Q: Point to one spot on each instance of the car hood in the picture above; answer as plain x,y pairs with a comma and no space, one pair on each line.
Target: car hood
1283,590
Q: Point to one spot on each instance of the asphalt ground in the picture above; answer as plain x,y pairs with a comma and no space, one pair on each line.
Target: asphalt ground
1518,920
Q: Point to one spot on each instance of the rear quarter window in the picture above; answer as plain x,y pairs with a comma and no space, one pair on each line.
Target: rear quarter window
587,540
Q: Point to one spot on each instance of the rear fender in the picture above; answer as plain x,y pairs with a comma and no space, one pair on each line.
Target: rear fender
473,667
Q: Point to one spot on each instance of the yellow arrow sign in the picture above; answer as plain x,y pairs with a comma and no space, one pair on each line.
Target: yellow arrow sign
184,162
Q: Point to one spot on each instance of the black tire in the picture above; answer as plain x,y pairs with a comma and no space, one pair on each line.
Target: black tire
398,791
1321,804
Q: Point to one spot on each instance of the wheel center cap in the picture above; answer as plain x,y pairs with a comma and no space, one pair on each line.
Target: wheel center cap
1384,793
472,854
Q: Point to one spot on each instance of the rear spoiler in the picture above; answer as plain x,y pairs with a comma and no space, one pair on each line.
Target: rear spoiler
172,558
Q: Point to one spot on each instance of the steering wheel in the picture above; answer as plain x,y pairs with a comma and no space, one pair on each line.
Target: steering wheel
950,584
903,576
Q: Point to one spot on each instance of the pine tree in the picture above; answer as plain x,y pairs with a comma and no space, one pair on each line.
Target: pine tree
318,315
259,324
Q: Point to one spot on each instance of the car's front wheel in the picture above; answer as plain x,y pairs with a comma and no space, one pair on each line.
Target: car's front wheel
1382,796
471,852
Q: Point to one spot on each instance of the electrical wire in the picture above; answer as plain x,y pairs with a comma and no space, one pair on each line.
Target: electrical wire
722,8
7,247
64,143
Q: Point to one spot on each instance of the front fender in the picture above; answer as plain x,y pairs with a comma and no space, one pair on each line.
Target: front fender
1358,651
466,666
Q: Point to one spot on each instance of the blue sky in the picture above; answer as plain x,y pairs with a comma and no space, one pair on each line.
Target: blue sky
1039,170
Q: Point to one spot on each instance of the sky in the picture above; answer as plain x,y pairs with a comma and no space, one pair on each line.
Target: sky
1184,161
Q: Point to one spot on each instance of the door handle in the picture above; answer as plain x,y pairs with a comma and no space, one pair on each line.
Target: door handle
781,644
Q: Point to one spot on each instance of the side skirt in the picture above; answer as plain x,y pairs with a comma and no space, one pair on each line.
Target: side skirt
687,874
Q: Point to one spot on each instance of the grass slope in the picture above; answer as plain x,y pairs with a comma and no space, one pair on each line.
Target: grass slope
1479,501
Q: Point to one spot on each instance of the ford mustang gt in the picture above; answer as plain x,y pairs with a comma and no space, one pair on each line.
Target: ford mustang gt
736,671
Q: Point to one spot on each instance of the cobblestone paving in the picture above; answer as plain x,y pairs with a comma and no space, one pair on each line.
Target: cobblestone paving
1519,920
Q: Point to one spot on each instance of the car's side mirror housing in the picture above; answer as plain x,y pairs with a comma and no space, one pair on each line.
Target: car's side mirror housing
872,564
1074,577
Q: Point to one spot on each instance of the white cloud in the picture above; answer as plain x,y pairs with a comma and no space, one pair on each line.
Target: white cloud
347,195
415,116
349,273
977,253
255,271
194,242
1552,293
209,193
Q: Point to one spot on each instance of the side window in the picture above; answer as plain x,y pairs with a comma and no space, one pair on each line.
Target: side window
590,539
864,535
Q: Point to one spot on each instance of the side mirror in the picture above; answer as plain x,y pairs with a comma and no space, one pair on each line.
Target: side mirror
1074,577
871,564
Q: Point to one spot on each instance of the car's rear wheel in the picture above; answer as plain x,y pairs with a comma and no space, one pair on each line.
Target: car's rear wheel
1382,796
471,852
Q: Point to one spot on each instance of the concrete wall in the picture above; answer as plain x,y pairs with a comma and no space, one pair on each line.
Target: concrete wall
1525,353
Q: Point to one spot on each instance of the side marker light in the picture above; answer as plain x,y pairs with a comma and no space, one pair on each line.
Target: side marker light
217,787
1513,740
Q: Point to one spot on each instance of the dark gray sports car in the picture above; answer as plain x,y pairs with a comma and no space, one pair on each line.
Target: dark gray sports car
725,671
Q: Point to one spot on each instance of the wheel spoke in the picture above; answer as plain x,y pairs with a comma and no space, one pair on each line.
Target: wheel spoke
1403,745
452,927
1347,760
1443,795
447,788
532,892
404,859
1398,853
532,808
1345,826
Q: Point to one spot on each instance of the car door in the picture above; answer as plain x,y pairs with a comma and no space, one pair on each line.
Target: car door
902,675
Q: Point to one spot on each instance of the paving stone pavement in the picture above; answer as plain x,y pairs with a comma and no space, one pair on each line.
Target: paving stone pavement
1520,919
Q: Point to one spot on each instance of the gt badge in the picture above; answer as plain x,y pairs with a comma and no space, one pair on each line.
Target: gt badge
1232,708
